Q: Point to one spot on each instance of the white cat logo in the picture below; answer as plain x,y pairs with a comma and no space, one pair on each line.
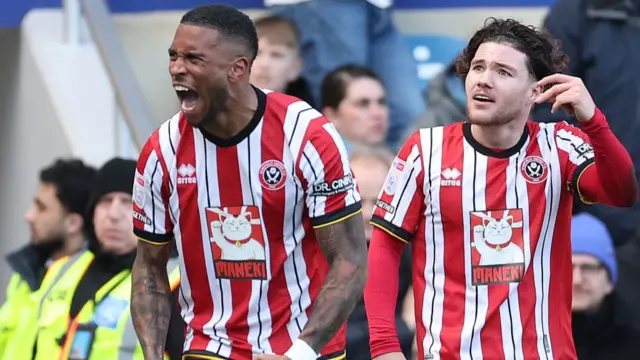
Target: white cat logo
239,251
492,240
233,236
498,257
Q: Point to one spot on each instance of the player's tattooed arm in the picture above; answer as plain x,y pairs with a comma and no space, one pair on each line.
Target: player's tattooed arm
345,249
151,298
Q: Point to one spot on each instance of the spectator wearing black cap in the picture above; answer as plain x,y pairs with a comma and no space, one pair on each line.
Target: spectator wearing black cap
602,325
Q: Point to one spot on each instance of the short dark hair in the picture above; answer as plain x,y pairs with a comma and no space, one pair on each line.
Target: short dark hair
277,29
73,180
334,85
228,21
543,53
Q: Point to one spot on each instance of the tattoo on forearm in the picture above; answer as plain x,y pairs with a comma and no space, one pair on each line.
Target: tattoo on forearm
345,248
151,298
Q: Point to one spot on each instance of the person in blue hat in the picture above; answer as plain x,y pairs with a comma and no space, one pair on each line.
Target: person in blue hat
602,325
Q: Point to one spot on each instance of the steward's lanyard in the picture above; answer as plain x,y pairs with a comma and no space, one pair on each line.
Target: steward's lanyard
80,336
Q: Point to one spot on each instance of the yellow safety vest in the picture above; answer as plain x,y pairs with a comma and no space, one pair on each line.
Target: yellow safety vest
18,302
53,321
18,315
103,326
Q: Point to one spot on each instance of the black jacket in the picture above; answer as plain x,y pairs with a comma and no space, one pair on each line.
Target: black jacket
358,326
300,89
608,334
30,262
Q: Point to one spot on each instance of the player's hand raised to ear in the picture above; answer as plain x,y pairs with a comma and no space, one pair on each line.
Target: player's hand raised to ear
568,93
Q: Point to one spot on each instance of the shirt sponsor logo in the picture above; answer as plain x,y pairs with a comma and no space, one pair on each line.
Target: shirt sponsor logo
140,217
386,207
237,241
584,149
496,242
334,187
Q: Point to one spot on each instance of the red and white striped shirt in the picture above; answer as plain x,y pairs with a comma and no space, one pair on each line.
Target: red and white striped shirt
490,235
242,212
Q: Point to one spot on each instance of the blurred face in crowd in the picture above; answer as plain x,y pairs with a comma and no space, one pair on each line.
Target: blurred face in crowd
200,66
591,283
275,66
46,216
499,88
112,223
363,114
370,173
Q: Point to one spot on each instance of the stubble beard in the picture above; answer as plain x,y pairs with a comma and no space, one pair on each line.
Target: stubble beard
51,243
499,118
217,105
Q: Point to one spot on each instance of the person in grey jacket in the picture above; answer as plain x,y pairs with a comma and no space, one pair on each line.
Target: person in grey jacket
445,102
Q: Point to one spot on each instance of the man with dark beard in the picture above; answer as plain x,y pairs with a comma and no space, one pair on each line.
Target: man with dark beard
84,314
486,205
56,223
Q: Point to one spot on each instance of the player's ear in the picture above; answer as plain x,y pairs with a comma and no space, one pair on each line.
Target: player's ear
73,223
536,91
239,70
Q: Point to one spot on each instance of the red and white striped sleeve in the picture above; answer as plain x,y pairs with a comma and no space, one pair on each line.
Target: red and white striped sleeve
400,203
612,178
324,169
151,215
574,145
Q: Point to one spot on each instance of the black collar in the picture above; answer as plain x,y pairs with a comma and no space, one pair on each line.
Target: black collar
466,129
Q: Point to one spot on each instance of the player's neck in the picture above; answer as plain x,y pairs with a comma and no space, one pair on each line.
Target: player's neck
501,136
240,109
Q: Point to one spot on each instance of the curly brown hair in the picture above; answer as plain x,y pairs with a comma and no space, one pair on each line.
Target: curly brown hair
543,53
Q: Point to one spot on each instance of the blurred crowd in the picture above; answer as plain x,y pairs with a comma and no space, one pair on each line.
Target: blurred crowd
348,60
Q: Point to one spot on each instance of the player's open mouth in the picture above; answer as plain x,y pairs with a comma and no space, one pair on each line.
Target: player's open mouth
188,97
482,98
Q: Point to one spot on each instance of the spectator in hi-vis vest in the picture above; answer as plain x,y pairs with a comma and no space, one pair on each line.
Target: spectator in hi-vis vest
85,315
55,219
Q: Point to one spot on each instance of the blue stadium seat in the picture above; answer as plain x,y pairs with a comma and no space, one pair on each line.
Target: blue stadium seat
432,53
